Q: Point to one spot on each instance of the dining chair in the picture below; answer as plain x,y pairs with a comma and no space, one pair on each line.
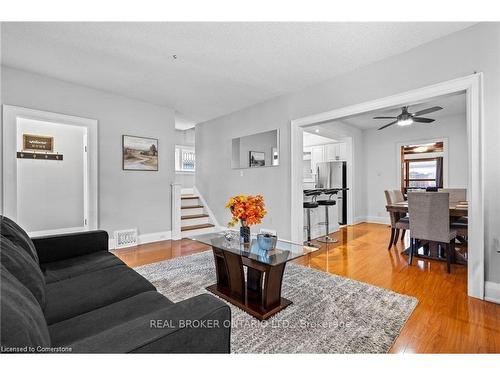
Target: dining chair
456,195
398,196
459,224
430,221
398,222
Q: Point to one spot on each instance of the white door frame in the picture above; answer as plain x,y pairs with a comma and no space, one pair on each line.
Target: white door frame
472,85
9,203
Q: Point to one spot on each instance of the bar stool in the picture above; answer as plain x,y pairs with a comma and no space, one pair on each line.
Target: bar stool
309,205
327,203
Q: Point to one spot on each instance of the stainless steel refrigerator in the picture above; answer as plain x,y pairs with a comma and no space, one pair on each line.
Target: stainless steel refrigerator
333,175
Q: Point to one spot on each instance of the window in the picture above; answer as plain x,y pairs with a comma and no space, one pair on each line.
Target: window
185,159
422,166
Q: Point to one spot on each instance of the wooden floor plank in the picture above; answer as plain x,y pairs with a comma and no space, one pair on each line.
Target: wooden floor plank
446,320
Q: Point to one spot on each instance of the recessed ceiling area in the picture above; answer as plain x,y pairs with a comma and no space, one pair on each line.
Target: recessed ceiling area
218,67
453,105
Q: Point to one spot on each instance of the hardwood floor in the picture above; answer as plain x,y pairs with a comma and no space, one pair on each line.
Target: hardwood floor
446,320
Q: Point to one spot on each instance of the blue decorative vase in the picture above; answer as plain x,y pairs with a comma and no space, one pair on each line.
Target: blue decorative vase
266,242
245,232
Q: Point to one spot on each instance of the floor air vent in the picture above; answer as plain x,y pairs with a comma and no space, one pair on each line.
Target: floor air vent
125,238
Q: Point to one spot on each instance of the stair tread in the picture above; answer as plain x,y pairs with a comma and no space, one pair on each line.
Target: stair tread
193,216
193,206
199,226
189,197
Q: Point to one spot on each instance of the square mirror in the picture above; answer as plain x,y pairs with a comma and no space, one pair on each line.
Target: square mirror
256,150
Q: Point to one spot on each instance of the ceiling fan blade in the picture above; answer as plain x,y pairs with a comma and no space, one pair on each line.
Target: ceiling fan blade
423,119
389,124
382,117
428,110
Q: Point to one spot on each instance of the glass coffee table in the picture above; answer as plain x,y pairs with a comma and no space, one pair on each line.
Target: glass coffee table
260,293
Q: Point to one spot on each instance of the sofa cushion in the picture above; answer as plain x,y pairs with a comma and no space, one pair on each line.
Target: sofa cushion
64,269
22,320
16,234
68,298
94,322
23,267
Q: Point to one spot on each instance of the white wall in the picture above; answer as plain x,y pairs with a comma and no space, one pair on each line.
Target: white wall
453,56
382,156
127,199
50,193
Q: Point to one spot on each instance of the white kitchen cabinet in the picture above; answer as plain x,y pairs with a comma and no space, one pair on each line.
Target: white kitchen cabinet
342,151
317,156
335,151
329,152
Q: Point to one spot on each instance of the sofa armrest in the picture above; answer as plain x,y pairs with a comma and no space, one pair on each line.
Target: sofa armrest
64,246
199,324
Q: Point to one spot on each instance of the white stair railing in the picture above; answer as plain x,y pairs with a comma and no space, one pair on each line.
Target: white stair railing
176,211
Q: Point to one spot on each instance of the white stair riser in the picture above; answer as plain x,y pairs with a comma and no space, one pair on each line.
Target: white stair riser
194,232
189,202
197,221
187,191
191,211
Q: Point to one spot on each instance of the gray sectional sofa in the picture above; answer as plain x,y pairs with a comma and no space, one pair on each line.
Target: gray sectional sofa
68,293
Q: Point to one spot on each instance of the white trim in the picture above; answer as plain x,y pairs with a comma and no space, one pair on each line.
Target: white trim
372,219
210,213
9,132
146,238
51,232
378,219
492,292
473,86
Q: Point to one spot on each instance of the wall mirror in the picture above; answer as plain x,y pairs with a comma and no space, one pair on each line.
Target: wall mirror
256,150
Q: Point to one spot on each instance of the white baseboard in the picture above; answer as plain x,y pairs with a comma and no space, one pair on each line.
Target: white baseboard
359,220
492,292
372,219
146,238
378,219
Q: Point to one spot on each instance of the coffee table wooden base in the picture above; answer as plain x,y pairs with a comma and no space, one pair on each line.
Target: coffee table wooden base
257,311
260,294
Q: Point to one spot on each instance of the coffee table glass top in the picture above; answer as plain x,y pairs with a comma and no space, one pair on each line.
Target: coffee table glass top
284,251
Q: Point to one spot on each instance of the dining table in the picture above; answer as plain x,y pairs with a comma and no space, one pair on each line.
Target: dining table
430,250
457,209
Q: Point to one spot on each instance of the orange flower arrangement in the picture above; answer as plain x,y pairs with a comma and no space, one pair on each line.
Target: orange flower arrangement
250,209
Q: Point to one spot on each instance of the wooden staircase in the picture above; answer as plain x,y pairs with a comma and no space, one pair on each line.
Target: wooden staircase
194,219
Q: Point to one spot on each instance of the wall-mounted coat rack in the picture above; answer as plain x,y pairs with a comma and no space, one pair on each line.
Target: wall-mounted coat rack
34,155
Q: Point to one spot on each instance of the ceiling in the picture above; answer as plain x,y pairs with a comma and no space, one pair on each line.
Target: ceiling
453,105
219,67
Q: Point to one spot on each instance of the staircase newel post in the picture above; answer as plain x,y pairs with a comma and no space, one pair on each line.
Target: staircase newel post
176,211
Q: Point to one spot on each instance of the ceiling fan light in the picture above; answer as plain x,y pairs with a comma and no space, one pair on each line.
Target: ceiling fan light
405,122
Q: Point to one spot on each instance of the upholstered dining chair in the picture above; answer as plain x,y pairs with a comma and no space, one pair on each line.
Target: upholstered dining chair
398,196
456,195
398,222
460,224
430,221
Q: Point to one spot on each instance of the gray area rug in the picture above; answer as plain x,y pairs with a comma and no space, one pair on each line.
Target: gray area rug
329,314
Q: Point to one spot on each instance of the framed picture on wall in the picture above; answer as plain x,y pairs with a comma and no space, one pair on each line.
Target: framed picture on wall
257,159
139,153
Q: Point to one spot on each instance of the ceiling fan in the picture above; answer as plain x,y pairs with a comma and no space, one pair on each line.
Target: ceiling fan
407,118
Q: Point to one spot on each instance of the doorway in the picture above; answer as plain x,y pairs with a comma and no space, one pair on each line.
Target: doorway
472,87
50,171
52,194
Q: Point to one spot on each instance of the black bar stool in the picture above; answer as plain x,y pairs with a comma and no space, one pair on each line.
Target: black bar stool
327,203
309,205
